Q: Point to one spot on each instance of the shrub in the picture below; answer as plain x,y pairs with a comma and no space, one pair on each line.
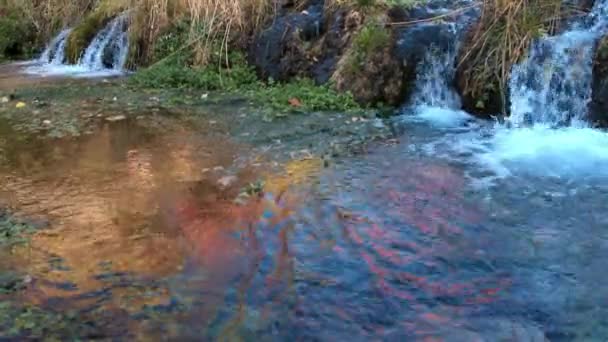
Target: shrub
17,37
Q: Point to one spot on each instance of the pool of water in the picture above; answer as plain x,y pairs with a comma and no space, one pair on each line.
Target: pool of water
426,239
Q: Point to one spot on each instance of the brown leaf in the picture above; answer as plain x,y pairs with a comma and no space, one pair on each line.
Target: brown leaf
295,102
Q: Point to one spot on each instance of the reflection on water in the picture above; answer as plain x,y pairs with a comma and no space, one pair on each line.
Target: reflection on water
394,245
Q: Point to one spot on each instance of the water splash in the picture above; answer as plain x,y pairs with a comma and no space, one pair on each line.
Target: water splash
553,85
435,100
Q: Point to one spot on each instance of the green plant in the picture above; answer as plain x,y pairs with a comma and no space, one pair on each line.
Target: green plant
370,39
17,36
502,36
303,95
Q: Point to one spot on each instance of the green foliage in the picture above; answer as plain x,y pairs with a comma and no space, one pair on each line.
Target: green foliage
303,95
175,72
17,36
231,72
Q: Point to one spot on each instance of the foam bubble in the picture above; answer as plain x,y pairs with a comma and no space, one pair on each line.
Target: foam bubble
544,151
78,71
441,117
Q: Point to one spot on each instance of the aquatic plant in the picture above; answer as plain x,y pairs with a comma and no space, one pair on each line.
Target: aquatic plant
13,231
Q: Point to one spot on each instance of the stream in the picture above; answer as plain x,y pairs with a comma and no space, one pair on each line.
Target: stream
456,229
446,235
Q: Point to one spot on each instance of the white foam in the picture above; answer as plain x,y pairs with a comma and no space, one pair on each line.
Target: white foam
542,151
441,117
77,71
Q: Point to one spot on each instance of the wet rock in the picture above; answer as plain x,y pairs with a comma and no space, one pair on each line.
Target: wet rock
278,52
598,108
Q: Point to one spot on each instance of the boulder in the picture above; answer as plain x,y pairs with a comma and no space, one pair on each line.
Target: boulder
378,78
279,52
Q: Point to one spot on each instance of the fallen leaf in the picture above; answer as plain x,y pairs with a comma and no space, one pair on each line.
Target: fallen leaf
295,102
20,105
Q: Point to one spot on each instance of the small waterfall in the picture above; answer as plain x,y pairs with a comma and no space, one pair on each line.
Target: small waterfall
106,54
55,51
435,75
109,48
553,85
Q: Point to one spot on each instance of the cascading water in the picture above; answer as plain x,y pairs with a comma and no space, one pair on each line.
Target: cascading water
106,55
547,134
109,48
553,85
55,51
435,99
435,73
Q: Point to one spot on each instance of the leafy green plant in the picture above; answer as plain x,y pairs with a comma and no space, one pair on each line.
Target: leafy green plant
17,36
303,95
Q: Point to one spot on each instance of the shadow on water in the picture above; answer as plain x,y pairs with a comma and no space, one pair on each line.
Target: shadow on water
146,241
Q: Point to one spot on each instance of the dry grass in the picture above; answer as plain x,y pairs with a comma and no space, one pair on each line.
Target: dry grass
501,39
211,20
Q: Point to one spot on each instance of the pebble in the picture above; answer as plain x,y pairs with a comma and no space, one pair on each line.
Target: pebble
116,118
226,181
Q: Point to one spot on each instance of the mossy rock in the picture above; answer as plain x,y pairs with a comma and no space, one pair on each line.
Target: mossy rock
370,70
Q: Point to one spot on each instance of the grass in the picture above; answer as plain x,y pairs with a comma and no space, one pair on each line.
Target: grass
501,38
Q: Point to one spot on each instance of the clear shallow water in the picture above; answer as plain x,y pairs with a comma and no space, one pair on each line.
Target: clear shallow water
414,241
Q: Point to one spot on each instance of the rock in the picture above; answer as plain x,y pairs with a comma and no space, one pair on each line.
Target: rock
227,181
379,79
46,122
598,108
116,118
5,99
278,51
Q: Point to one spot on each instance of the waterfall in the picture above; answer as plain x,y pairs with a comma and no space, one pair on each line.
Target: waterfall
434,77
109,48
553,85
55,51
106,54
